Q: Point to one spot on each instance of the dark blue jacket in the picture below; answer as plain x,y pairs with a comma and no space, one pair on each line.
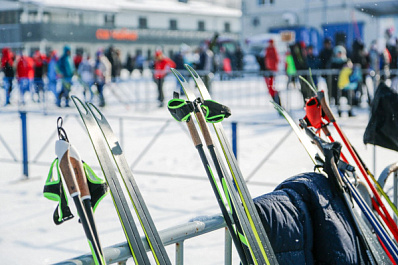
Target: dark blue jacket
308,223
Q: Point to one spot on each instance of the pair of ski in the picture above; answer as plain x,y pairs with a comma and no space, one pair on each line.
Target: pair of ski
250,238
74,175
384,252
104,141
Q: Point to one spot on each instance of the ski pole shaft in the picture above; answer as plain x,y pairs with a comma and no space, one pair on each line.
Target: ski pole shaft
328,112
62,150
198,144
209,143
81,179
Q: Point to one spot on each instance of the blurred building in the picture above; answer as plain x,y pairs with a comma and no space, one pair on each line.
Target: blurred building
130,25
312,20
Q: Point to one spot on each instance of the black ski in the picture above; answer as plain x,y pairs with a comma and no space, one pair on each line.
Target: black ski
147,224
126,219
253,230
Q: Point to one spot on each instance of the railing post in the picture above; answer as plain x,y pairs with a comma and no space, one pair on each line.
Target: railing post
24,144
180,253
234,139
228,248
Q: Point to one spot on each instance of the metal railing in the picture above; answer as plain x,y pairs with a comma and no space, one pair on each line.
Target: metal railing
120,253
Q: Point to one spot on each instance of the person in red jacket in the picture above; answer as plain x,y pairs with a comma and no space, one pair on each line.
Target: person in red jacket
271,61
25,75
7,66
162,65
40,68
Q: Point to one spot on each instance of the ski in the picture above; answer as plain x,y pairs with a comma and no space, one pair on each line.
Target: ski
125,216
253,229
364,231
147,224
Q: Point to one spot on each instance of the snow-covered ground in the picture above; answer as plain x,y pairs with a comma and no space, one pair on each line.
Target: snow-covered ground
165,164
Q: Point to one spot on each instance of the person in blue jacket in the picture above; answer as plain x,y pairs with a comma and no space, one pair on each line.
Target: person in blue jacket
66,70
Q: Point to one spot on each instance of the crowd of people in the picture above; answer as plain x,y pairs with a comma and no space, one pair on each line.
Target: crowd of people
349,68
55,72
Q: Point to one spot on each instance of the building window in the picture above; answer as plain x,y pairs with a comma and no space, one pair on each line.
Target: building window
109,20
173,24
265,2
227,27
201,25
142,23
9,17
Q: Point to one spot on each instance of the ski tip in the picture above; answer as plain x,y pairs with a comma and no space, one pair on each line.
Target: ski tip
179,76
78,103
192,71
97,114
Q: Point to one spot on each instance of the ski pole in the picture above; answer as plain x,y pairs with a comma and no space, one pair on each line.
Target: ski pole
81,179
215,157
180,110
329,114
62,150
387,244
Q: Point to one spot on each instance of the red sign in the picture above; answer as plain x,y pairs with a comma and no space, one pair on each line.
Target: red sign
116,34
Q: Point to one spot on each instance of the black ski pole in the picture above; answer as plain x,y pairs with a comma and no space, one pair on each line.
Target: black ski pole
180,110
62,149
215,157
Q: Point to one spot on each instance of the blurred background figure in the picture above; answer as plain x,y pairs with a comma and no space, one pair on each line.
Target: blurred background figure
25,75
290,68
102,75
339,59
161,65
52,74
130,63
40,69
66,69
360,58
7,66
85,73
205,64
299,54
271,62
139,61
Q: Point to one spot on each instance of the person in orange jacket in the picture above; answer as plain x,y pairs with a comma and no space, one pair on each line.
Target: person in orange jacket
271,61
162,65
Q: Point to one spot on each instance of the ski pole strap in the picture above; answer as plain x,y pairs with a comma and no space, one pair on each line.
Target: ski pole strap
314,113
332,154
180,109
54,190
97,186
215,112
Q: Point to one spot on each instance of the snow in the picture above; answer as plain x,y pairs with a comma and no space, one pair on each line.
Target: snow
166,167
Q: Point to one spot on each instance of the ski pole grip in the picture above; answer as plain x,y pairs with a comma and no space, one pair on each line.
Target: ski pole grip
325,106
203,126
77,166
194,133
62,151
